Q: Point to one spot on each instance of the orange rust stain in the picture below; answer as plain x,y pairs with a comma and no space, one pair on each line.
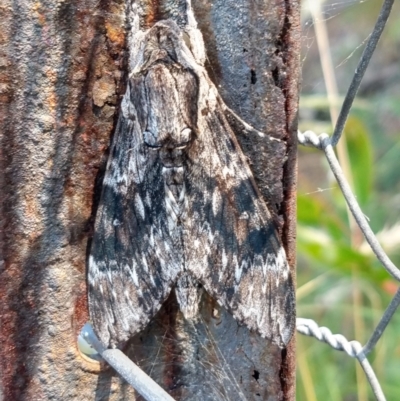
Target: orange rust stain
115,34
51,74
81,315
52,101
69,121
153,14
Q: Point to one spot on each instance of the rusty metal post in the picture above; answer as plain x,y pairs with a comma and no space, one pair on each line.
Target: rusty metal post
62,71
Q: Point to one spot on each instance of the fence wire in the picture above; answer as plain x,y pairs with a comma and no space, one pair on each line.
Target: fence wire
326,144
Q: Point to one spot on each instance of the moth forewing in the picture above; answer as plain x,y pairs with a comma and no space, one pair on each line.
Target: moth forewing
179,205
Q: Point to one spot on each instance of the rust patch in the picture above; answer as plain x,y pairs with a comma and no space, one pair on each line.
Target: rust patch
103,91
114,34
153,13
44,222
81,315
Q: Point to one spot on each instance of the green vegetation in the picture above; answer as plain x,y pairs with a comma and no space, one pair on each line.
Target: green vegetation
341,284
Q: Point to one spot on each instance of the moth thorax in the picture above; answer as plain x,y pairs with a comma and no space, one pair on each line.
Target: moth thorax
175,194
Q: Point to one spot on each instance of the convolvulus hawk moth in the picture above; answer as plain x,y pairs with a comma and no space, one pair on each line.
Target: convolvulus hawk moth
179,204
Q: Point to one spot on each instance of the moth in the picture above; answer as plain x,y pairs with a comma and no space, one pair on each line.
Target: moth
179,204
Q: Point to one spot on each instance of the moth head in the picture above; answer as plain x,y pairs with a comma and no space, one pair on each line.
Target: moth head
171,147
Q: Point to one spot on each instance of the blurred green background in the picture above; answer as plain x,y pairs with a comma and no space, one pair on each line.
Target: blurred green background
341,285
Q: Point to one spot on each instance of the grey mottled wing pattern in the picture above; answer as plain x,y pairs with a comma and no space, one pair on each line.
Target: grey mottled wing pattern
231,244
134,256
180,204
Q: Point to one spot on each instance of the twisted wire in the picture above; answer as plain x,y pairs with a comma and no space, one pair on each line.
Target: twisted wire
310,328
337,341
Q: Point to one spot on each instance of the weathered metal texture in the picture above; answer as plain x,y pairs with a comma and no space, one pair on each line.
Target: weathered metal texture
61,64
61,73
